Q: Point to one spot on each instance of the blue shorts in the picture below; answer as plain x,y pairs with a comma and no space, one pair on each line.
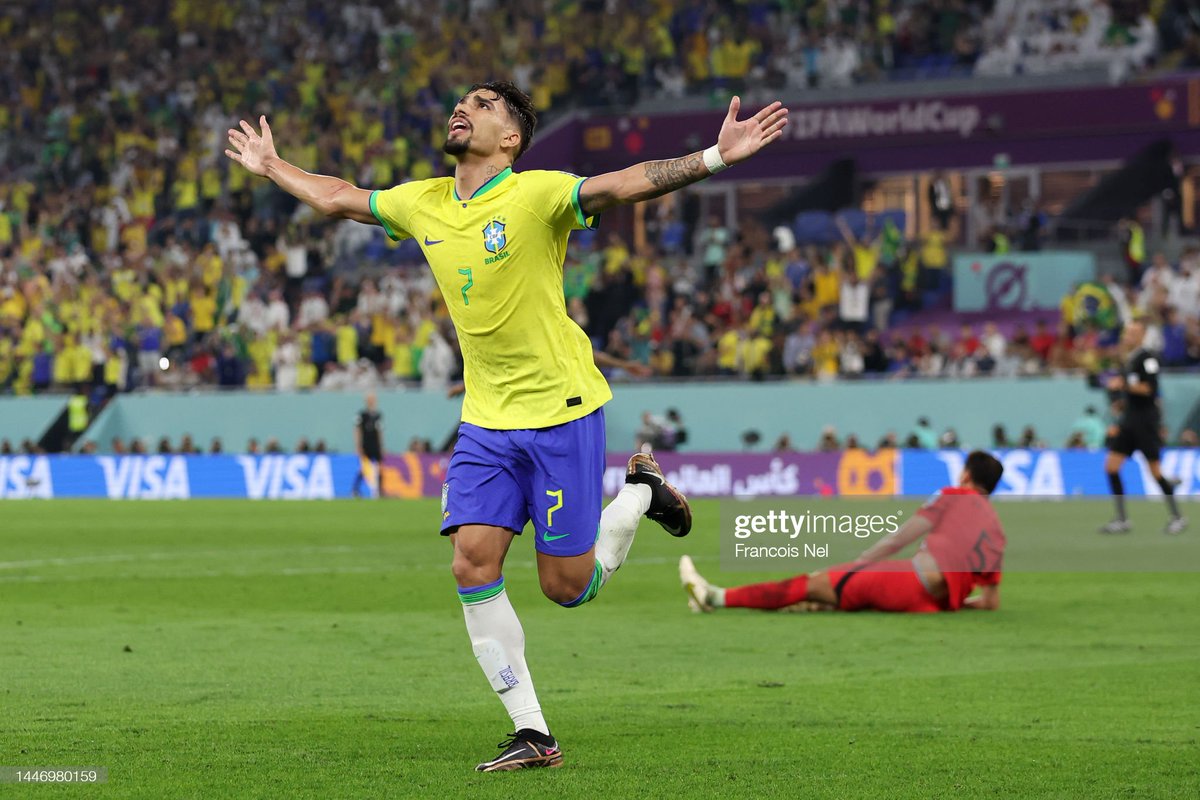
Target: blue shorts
552,476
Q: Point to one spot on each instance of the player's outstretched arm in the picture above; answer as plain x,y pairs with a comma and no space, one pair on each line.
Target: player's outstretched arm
330,196
635,368
893,543
737,141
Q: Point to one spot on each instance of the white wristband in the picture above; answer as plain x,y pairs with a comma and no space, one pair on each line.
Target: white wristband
712,160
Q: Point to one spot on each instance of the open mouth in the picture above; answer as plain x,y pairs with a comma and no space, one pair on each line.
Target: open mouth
459,126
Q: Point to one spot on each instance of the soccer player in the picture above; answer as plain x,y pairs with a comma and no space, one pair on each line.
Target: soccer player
1136,393
531,442
963,548
368,443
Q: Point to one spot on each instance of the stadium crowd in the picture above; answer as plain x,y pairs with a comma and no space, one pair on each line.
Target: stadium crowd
132,254
181,315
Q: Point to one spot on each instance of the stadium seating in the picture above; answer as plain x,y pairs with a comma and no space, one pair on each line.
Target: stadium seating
126,238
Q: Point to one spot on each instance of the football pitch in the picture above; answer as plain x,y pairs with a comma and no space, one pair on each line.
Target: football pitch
241,649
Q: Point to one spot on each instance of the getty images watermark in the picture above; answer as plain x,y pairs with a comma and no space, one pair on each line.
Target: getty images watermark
1050,534
766,535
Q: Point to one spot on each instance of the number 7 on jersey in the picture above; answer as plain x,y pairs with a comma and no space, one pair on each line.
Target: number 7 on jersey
470,282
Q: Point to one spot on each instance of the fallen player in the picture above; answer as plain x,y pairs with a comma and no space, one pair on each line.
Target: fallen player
963,549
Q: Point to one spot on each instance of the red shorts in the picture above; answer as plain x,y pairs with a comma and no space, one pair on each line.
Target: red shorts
883,586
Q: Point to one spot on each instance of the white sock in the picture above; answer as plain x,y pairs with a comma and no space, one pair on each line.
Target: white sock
618,524
499,644
716,597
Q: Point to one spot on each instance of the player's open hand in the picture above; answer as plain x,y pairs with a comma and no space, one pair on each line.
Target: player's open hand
251,150
737,141
639,370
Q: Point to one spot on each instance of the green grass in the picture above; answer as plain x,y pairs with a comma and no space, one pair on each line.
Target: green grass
237,649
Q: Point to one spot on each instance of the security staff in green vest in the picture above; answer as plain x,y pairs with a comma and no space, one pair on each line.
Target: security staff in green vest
998,242
77,414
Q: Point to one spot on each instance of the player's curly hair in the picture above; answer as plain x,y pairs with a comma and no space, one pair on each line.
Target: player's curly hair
519,105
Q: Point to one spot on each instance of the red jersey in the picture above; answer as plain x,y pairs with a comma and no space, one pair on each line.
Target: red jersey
967,541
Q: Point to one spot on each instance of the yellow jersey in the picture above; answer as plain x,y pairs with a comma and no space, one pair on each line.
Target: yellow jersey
497,257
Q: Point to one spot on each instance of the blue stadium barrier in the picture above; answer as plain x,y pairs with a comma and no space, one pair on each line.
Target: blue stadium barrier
855,219
815,227
1051,474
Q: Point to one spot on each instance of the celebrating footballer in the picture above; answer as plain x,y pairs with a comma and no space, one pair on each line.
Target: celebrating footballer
531,443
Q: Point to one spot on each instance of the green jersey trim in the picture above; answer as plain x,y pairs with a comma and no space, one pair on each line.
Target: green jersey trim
591,222
487,187
375,211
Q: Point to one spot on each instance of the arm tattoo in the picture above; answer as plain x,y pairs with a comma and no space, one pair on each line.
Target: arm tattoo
667,176
662,176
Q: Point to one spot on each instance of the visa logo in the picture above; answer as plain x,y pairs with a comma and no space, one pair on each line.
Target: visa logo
145,477
25,476
280,477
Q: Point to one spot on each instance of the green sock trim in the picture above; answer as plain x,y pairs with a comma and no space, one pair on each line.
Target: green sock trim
477,594
593,588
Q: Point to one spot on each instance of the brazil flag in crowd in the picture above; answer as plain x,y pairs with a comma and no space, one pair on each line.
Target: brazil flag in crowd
1092,306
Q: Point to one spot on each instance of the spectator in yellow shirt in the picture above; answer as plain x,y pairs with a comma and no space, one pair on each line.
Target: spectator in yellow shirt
274,260
757,361
729,352
401,354
731,61
865,251
174,332
827,285
204,311
211,266
210,187
13,305
346,338
7,360
825,356
933,255
616,254
79,362
762,318
186,192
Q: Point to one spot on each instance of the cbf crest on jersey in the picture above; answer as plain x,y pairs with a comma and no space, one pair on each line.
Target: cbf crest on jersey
494,237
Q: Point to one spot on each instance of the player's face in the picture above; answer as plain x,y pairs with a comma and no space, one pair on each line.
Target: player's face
480,125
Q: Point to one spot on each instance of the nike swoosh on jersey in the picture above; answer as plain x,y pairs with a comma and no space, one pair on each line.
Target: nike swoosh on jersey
430,242
548,538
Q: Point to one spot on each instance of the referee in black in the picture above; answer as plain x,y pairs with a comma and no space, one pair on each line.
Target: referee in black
368,443
1135,393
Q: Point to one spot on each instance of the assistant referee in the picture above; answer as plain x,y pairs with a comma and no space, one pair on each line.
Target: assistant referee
368,443
1135,393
